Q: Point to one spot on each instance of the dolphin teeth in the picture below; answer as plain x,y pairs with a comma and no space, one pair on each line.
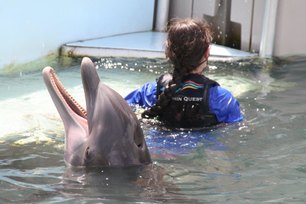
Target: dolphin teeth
71,102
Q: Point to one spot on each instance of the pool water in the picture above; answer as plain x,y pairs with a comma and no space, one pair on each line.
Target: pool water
259,160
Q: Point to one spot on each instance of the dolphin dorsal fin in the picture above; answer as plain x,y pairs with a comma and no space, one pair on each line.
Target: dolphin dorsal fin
91,82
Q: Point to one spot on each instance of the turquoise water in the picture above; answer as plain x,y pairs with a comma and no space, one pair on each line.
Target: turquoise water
259,160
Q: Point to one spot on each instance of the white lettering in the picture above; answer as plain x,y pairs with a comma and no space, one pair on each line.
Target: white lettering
186,99
177,98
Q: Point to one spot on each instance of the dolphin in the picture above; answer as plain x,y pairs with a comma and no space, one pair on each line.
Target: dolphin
107,133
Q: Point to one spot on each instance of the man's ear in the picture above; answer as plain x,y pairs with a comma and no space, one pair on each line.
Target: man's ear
207,53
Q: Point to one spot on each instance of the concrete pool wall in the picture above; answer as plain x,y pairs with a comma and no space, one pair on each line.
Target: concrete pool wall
33,30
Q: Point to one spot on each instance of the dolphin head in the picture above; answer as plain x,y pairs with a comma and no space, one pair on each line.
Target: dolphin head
107,133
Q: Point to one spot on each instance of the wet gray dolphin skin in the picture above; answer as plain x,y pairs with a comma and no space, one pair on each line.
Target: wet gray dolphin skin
108,133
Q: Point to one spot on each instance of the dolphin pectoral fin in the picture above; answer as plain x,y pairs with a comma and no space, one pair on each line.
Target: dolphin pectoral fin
91,80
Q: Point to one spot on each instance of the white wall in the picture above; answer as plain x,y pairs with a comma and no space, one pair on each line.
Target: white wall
30,29
290,28
290,33
180,9
241,12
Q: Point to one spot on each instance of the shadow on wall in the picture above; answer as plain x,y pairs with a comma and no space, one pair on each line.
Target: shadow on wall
225,32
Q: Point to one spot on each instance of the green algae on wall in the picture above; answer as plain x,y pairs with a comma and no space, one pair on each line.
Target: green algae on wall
32,66
52,60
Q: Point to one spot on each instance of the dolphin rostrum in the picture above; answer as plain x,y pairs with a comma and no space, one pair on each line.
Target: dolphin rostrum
108,133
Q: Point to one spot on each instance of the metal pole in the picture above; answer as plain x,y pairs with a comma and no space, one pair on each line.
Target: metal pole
161,15
268,31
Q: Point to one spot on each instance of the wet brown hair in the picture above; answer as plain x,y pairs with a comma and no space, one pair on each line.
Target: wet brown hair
187,42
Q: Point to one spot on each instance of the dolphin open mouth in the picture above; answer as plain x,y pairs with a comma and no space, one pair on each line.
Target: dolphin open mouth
107,132
62,94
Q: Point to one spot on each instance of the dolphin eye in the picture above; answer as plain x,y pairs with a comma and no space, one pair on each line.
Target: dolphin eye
139,138
140,145
87,158
87,152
